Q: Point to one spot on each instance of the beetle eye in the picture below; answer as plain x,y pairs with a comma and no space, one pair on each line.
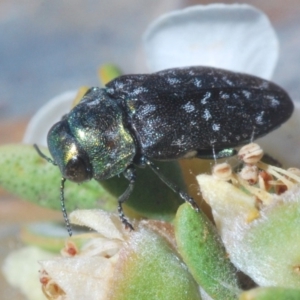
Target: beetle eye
77,170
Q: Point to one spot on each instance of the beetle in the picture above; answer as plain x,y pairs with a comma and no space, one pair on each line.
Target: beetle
178,113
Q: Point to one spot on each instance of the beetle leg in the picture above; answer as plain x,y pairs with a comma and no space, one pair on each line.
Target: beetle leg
130,175
171,185
215,153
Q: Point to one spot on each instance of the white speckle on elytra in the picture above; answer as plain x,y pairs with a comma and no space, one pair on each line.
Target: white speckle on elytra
148,108
247,94
229,82
206,96
273,101
264,85
93,103
206,115
237,137
179,142
173,81
188,107
197,83
138,91
110,90
259,118
119,85
216,127
224,95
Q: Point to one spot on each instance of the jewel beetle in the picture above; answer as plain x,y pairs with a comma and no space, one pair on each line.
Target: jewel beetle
178,113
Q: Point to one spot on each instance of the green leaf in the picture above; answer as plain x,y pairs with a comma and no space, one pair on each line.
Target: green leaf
25,174
271,293
272,243
148,268
204,254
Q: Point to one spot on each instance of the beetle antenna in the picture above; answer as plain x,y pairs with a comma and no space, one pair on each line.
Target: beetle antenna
41,154
63,207
62,188
172,186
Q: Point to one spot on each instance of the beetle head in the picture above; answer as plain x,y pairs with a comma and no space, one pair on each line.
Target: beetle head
92,141
72,160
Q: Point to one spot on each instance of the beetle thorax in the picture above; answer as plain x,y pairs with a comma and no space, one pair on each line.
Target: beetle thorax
99,127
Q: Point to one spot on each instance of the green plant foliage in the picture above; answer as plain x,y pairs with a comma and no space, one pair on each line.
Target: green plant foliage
150,269
204,254
27,175
271,293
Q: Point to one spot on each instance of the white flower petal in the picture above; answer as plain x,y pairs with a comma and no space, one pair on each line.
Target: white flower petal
283,144
100,246
20,269
46,117
237,37
81,276
108,225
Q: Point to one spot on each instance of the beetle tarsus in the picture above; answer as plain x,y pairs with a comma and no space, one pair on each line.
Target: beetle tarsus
126,223
189,199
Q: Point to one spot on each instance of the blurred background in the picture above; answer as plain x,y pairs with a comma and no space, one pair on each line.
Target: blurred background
48,47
